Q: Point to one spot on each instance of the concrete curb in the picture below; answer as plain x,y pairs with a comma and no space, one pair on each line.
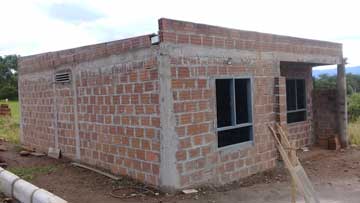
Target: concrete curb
23,191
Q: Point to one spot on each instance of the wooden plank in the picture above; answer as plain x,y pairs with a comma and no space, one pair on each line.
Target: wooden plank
308,189
285,136
292,156
297,173
96,170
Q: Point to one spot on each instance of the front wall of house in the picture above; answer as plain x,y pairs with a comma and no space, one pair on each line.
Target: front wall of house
198,157
201,53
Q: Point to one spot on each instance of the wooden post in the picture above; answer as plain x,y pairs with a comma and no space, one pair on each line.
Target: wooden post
342,104
294,162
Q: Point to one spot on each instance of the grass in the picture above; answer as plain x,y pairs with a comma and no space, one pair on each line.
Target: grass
9,130
10,127
354,132
29,173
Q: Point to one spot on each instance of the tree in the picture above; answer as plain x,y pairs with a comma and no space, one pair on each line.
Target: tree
354,106
325,82
329,82
9,77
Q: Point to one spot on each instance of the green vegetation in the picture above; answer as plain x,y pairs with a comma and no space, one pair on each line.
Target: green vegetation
354,107
9,130
9,127
353,92
354,132
329,82
29,173
8,77
354,118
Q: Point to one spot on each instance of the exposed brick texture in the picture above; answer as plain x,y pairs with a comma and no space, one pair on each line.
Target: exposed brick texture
118,116
325,115
300,132
111,112
37,99
199,159
119,119
50,60
182,32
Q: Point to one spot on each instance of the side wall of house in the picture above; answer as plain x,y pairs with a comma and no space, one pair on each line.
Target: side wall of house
301,133
37,110
108,116
118,115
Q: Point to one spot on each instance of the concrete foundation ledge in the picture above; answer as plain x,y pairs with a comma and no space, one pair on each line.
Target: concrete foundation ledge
23,191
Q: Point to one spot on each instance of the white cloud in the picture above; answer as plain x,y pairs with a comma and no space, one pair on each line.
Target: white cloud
31,29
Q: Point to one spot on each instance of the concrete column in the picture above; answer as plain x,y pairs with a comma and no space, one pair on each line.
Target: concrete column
76,113
342,105
169,175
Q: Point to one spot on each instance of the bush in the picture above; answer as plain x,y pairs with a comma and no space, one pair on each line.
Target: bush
8,92
354,107
354,132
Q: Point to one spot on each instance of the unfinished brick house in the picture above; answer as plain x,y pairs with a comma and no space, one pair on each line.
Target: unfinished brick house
185,107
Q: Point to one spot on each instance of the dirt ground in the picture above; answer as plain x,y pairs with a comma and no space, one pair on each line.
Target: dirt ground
335,175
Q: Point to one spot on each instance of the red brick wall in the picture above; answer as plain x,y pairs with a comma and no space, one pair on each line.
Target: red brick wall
301,132
182,32
37,97
199,159
117,107
48,61
193,85
119,119
64,107
325,122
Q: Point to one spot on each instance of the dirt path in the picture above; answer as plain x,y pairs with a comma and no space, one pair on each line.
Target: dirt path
336,178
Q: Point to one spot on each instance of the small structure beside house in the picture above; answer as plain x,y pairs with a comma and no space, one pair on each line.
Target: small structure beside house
185,107
5,110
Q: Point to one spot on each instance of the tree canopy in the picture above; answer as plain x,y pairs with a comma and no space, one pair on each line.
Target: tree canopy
326,81
8,77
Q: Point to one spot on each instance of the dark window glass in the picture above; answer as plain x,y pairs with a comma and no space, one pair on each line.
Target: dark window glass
234,136
300,91
296,116
233,102
242,100
291,94
296,100
223,102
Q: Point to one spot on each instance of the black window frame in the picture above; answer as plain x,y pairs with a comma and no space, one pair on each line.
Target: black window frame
236,124
299,114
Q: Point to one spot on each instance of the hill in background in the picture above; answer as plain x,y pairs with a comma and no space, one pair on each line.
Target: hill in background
353,70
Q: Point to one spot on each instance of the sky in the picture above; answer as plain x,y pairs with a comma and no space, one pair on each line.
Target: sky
34,26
